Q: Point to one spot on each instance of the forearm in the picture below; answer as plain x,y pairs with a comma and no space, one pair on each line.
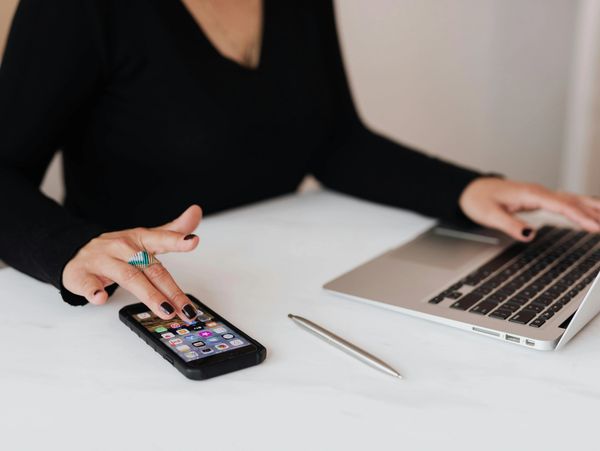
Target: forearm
367,165
37,235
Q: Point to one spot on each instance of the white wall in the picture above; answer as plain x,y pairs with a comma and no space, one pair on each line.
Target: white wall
481,82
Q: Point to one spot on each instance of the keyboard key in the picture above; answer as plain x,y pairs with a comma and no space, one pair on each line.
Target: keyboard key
497,297
483,308
543,300
468,301
523,317
537,323
537,308
547,315
511,306
436,300
501,314
519,300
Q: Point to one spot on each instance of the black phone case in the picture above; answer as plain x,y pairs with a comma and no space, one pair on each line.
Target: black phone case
205,369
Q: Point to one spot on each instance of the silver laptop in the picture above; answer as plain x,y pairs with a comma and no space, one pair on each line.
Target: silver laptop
537,295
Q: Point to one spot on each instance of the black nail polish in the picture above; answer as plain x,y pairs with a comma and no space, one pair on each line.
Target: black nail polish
97,291
191,236
526,232
166,308
189,311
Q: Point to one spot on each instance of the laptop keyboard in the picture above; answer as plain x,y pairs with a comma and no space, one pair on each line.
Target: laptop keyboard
530,283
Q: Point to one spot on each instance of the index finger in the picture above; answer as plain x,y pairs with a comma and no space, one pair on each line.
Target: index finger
162,241
566,207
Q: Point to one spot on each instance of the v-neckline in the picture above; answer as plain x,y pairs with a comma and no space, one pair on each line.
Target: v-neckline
196,29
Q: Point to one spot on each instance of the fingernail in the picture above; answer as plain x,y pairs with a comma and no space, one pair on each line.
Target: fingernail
166,308
526,232
191,236
189,311
97,292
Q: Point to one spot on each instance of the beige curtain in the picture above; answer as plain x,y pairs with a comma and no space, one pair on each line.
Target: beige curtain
581,163
7,8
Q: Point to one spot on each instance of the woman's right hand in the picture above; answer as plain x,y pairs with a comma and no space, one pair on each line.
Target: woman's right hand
103,261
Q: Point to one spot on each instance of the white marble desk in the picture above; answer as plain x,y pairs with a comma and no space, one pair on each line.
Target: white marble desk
77,379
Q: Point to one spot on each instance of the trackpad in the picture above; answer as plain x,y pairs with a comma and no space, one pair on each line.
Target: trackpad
442,251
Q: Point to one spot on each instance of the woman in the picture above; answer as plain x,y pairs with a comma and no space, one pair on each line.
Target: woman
162,104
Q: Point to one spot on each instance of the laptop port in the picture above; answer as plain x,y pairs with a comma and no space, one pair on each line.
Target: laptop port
513,339
529,342
486,331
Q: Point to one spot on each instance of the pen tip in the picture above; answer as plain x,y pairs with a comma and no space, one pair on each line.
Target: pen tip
290,315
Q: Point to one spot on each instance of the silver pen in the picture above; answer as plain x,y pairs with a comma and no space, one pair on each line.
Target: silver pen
345,346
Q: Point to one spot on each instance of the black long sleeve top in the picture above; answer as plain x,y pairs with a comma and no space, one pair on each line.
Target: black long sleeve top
151,118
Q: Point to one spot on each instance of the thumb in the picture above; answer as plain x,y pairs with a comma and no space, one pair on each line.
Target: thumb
499,218
187,222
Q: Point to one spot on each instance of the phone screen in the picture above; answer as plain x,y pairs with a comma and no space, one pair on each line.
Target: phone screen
194,340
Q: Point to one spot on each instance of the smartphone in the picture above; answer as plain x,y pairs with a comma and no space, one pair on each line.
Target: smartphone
207,347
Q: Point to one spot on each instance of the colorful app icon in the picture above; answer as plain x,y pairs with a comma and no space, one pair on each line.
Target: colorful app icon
175,341
213,340
144,315
199,327
160,329
183,348
167,335
191,337
174,325
191,323
204,318
219,330
236,342
206,351
183,331
191,355
205,333
227,336
221,346
198,344
211,324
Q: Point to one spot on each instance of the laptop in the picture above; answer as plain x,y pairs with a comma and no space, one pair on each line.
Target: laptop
537,294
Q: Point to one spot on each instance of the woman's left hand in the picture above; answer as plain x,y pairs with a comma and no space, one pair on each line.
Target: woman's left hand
493,202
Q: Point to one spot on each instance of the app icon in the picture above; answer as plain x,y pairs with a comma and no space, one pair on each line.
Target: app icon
174,325
206,351
221,346
160,329
191,337
236,342
211,324
191,355
175,341
183,331
227,336
183,348
198,344
204,318
191,323
205,333
167,335
199,327
219,330
144,315
212,340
